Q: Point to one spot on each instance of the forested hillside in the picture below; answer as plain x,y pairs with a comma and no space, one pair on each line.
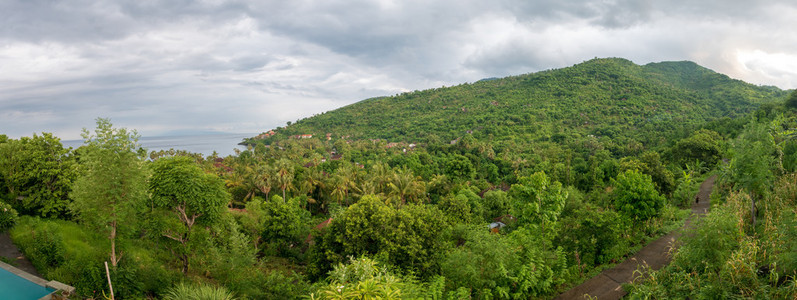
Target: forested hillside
550,178
610,97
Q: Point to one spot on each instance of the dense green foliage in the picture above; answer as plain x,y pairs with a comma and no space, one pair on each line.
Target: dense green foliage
408,238
550,176
744,248
36,175
112,183
8,216
190,195
602,97
184,291
636,197
364,278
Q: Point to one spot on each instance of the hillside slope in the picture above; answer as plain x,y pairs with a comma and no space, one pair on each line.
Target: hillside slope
609,97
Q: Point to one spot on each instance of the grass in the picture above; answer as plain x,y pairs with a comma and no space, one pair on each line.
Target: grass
10,261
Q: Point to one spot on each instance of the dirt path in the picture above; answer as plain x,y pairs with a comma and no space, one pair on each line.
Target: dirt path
15,258
607,285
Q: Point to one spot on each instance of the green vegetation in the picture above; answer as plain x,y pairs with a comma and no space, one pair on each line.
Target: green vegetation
745,247
611,98
636,197
550,178
181,189
37,175
8,216
184,291
112,182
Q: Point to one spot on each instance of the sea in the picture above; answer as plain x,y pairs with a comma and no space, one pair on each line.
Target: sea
223,143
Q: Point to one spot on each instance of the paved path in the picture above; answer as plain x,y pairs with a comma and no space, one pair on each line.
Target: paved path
10,251
607,285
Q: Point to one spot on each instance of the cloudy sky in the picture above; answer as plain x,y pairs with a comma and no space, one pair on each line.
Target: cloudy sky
176,66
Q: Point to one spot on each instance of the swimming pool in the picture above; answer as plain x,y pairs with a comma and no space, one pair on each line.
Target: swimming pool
16,287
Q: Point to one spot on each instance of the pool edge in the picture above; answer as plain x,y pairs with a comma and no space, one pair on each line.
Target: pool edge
58,286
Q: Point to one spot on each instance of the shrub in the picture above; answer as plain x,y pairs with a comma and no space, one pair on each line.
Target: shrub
254,283
46,250
284,224
366,278
8,216
455,208
684,195
592,233
193,291
636,197
715,237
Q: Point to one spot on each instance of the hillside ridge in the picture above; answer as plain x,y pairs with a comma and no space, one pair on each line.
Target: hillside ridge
590,98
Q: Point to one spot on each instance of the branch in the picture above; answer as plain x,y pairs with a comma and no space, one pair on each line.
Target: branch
179,239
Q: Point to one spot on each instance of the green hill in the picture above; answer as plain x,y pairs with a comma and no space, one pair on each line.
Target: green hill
609,97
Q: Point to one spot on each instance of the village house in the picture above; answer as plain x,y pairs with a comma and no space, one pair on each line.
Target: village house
265,135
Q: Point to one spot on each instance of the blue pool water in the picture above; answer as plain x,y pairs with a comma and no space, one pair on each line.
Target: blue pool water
13,287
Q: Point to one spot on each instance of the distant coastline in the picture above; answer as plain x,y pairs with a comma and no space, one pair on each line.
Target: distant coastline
223,143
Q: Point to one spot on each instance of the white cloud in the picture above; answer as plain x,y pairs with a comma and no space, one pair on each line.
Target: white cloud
249,66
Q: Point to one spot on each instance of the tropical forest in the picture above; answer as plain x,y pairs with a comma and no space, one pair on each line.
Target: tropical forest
523,187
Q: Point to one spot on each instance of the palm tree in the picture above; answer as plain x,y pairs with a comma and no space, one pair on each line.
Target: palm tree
264,178
245,177
346,179
380,175
366,187
339,188
313,182
406,186
284,176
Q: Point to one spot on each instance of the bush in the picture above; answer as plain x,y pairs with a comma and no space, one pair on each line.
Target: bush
592,235
456,209
636,197
366,278
8,216
46,248
515,265
192,291
684,195
254,283
715,237
408,238
284,225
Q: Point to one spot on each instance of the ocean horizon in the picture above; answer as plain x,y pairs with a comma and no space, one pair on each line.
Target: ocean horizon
223,143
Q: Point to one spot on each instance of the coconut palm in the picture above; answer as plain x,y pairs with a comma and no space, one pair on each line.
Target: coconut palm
284,176
404,185
264,178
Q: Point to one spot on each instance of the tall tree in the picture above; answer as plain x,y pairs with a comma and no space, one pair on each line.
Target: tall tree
538,200
791,102
180,186
636,196
284,176
754,162
113,180
404,185
264,178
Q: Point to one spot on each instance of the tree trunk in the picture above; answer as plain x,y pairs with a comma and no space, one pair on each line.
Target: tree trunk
752,209
113,243
184,258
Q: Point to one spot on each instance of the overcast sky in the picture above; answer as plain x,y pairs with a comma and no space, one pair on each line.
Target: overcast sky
248,66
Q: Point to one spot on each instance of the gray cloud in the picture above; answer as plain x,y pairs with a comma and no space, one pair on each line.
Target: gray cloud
247,66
